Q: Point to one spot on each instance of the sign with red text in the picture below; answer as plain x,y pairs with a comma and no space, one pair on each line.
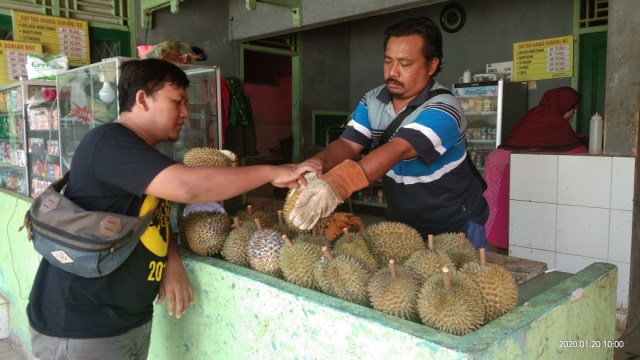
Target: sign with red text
543,59
57,35
13,59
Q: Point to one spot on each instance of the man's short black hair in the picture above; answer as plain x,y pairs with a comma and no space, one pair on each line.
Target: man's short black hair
423,26
149,75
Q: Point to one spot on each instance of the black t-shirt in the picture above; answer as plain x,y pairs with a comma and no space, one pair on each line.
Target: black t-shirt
110,170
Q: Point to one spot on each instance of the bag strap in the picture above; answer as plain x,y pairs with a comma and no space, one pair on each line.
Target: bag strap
395,124
59,184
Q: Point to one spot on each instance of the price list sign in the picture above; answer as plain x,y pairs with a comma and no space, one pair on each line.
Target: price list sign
57,35
543,59
13,59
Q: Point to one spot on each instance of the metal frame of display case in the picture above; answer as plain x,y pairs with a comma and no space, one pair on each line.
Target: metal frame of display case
23,104
88,97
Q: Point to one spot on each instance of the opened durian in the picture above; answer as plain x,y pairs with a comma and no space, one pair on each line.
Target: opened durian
263,250
394,290
205,232
428,262
496,285
343,276
392,240
355,244
235,246
450,303
208,156
297,262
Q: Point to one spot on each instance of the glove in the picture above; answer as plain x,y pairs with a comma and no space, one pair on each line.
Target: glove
323,195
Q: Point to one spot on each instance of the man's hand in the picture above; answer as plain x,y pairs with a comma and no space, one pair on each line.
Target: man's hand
288,175
175,286
323,195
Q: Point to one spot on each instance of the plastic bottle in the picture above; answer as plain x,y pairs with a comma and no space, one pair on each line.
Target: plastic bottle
595,134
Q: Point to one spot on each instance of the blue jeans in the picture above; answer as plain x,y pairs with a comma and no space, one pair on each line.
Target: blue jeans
476,234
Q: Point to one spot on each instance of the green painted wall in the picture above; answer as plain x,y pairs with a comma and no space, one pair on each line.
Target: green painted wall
240,314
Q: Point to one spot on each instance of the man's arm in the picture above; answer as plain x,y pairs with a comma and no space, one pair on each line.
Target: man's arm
336,152
186,184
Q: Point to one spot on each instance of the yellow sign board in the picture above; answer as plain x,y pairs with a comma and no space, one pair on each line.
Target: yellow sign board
543,59
13,59
57,35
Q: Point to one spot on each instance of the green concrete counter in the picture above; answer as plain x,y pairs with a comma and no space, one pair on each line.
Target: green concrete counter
243,314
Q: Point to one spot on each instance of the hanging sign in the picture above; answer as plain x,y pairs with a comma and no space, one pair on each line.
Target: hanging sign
57,35
13,59
543,59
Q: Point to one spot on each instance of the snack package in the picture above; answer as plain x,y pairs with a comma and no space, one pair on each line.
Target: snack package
175,52
45,67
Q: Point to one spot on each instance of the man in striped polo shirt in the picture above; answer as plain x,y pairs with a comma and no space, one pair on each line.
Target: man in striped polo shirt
426,178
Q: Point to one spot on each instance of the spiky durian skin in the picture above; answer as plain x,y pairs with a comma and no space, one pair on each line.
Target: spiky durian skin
357,246
263,251
498,288
266,218
235,247
345,277
206,156
461,257
205,232
392,240
450,244
312,239
445,241
457,311
297,263
396,296
426,263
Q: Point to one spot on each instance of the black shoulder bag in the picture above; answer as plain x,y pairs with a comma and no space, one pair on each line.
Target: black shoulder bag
391,129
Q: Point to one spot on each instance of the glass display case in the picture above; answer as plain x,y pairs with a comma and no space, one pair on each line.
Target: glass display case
16,100
88,97
491,109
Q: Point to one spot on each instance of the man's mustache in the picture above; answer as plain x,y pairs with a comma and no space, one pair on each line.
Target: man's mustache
393,81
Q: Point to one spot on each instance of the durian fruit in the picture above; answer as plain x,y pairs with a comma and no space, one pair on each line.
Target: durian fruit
263,250
496,285
205,232
392,240
281,227
356,245
343,276
428,262
463,252
450,303
394,290
290,202
298,260
206,156
235,247
251,214
312,238
232,157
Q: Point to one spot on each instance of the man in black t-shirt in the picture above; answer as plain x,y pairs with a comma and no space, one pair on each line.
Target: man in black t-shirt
116,168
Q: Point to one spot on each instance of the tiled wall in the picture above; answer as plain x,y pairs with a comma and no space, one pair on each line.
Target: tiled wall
572,210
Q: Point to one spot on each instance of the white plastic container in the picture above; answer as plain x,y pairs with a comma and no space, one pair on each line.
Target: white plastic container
595,134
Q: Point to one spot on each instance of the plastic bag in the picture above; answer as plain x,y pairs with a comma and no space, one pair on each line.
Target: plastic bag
175,52
45,67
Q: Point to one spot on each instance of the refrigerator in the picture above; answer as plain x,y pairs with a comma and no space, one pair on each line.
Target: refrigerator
491,109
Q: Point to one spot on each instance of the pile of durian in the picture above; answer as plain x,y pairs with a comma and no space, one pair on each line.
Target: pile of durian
443,282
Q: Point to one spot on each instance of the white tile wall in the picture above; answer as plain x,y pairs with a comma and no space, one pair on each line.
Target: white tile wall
532,225
570,211
622,176
534,177
620,236
582,231
584,181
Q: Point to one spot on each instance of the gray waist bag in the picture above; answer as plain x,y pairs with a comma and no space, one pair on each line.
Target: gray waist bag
86,243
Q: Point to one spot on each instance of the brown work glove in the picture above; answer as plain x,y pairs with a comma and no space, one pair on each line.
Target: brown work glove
323,195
